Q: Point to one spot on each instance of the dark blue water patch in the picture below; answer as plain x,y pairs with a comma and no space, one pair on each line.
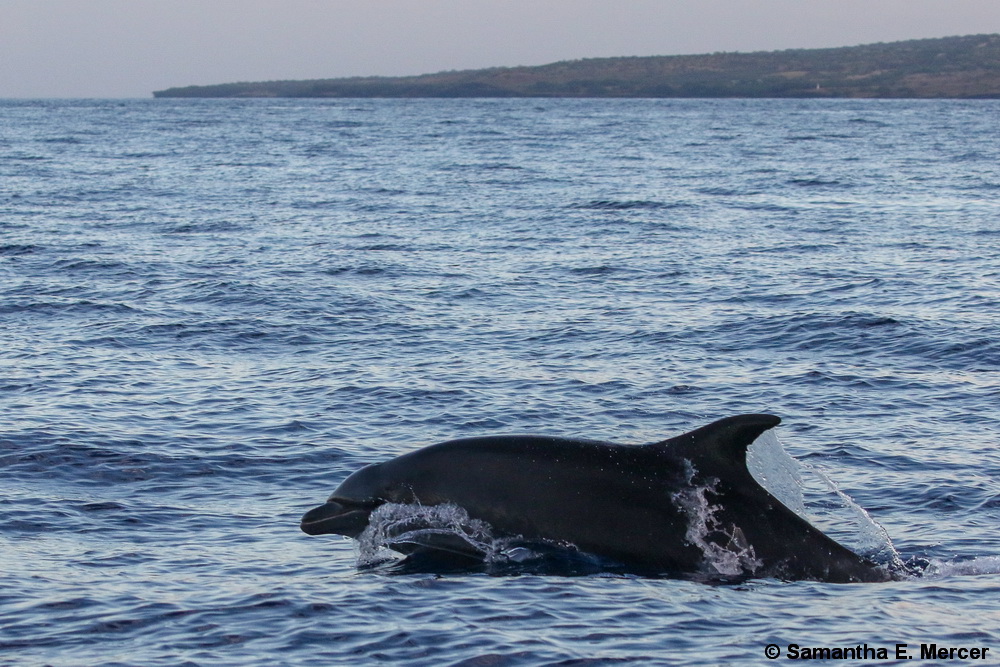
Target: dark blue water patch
683,389
91,461
501,166
857,332
143,155
851,286
106,268
789,248
950,496
70,516
364,269
68,308
340,124
226,291
451,294
25,157
724,191
100,507
972,156
425,397
603,271
387,247
868,121
818,183
226,332
862,381
483,168
61,458
15,249
202,227
765,207
627,205
971,354
383,191
62,140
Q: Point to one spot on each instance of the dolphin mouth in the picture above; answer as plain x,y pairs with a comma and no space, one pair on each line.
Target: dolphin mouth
338,516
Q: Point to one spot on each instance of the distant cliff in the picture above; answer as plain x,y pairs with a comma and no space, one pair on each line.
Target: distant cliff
955,67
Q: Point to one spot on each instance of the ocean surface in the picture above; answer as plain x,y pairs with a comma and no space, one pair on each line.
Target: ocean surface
212,311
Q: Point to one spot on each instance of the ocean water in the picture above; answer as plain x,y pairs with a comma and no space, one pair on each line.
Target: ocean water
212,311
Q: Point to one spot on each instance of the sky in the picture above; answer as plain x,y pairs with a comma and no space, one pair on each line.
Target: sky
129,48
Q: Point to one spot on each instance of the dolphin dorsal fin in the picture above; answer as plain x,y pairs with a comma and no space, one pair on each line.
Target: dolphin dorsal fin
721,445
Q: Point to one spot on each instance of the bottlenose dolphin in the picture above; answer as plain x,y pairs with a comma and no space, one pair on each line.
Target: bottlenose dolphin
680,507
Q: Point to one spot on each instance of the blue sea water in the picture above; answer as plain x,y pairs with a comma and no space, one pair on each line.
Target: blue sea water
212,311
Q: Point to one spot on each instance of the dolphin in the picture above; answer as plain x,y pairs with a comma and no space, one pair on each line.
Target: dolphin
683,507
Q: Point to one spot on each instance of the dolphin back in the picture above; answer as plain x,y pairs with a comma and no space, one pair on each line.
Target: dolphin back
674,507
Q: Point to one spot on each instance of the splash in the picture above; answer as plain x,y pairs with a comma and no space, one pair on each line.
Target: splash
395,524
814,496
872,539
776,471
404,538
965,568
726,551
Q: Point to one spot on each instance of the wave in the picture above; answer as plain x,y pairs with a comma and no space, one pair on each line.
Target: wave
87,459
969,567
854,332
626,205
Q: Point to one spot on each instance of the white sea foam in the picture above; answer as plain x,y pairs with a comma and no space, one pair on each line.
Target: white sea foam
972,567
394,523
727,552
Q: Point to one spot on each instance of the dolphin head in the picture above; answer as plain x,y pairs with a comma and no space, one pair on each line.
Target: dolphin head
347,510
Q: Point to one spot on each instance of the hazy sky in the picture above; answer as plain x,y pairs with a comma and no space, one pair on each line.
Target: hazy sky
128,48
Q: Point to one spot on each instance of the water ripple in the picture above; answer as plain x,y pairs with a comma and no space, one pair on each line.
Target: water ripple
214,310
